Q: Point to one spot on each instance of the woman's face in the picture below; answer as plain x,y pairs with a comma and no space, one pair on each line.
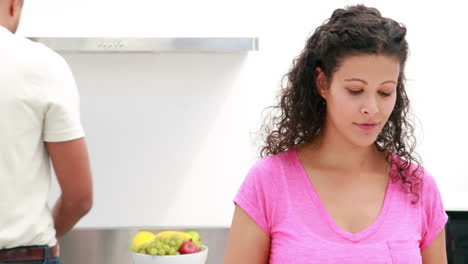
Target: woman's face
361,97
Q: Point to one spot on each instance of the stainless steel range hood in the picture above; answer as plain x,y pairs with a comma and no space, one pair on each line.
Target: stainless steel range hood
149,45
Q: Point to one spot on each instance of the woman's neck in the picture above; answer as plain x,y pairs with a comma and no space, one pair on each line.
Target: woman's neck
332,150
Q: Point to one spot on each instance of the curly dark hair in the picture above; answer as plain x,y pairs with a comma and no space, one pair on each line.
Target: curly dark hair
355,30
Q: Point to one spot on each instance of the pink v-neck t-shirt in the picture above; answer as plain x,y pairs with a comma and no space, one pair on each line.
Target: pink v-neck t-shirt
279,197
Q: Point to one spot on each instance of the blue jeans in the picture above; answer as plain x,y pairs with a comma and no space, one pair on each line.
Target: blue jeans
45,261
48,261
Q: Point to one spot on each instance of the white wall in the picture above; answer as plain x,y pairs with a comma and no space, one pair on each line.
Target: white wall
170,134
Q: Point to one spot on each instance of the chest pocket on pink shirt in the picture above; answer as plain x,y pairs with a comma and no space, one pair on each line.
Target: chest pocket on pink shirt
405,251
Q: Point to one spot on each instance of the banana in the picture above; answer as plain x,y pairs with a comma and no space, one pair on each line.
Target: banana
168,234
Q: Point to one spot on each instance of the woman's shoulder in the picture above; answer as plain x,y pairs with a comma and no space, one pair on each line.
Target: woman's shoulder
275,162
413,171
271,168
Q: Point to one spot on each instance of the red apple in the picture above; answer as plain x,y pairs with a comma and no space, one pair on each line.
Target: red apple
188,247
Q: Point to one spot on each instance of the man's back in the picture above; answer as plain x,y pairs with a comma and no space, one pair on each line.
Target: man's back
38,103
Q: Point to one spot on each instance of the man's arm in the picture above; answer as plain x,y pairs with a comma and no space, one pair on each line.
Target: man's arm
72,168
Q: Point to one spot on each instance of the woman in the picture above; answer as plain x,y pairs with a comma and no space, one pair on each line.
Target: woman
339,181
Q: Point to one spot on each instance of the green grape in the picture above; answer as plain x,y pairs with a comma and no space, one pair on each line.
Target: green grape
167,240
173,243
149,249
166,248
179,243
173,251
142,251
134,248
161,252
158,245
144,245
153,252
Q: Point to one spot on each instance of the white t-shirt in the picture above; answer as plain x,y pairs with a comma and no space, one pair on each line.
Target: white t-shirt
38,102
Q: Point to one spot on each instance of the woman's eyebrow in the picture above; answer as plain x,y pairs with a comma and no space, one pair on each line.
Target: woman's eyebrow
364,82
355,80
389,82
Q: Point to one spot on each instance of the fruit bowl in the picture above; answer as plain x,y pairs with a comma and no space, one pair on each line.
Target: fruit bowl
194,258
168,247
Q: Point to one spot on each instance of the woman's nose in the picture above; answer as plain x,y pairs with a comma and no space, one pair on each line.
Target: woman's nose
370,107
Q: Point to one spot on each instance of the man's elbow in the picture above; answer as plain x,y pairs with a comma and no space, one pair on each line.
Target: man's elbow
85,204
81,205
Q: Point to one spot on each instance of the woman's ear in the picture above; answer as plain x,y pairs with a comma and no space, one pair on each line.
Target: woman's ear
321,82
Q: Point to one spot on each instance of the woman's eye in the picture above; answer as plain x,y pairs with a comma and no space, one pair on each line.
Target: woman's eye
354,92
385,94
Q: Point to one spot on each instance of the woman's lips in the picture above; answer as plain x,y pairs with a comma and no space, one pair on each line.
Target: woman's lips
367,126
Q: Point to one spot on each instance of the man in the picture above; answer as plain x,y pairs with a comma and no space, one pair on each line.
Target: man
39,122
